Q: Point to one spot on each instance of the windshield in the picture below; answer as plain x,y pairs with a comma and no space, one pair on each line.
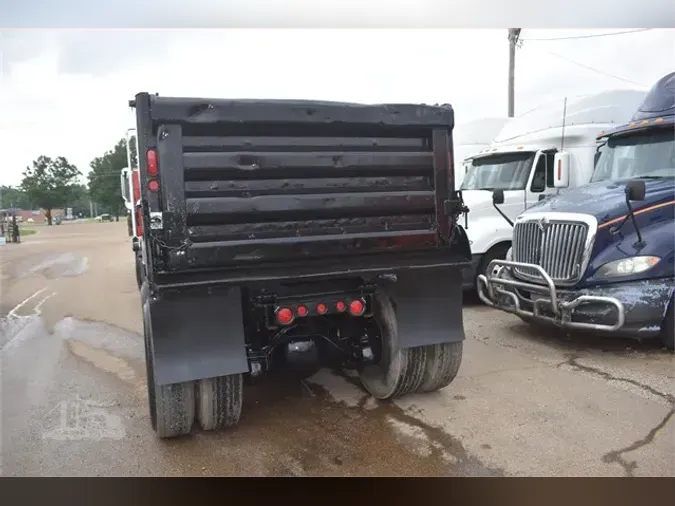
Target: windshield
504,171
648,154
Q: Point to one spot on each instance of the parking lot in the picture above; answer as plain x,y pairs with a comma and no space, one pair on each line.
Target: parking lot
527,402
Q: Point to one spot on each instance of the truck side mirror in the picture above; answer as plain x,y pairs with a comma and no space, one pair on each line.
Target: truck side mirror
124,185
561,170
636,190
498,198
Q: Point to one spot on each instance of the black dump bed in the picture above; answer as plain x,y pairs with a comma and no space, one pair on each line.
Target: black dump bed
266,189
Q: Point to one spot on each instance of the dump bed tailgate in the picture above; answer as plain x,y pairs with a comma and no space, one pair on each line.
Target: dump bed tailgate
246,183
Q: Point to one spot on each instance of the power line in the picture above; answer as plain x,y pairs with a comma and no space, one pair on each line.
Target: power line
590,36
592,69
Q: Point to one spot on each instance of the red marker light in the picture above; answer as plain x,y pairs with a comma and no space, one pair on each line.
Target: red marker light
321,308
139,222
302,311
153,169
356,307
153,185
284,316
341,306
559,170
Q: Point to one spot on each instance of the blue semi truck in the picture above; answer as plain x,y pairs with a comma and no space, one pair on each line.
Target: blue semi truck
601,257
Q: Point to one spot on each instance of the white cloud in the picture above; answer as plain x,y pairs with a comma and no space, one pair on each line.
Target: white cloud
70,98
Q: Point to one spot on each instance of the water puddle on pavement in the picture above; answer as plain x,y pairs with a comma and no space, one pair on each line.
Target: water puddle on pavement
51,266
326,425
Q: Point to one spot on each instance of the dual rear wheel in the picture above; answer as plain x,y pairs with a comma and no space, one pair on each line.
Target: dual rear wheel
404,371
215,403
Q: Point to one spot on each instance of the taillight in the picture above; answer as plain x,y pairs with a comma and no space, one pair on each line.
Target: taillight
302,311
321,308
340,306
136,184
357,307
284,316
153,168
153,185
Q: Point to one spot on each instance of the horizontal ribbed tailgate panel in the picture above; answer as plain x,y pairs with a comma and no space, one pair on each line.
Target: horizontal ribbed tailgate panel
287,192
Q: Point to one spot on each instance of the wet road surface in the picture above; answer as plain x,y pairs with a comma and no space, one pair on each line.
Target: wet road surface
526,402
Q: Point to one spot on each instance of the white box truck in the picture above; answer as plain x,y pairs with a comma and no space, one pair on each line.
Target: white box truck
520,161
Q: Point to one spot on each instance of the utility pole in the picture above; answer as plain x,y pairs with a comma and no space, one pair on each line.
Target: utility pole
514,33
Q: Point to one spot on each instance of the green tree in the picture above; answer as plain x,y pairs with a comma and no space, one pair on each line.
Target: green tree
14,198
79,200
104,177
49,183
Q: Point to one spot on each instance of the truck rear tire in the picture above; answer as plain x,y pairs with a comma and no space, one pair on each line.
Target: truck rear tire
443,362
497,252
172,407
139,271
219,401
399,371
175,409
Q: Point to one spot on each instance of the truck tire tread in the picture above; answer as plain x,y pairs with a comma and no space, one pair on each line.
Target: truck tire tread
442,364
403,372
175,409
139,271
219,401
172,407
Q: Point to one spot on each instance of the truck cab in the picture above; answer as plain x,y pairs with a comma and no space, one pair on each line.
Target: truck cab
521,162
473,136
600,257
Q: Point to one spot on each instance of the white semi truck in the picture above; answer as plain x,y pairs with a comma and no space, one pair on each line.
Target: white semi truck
471,137
522,159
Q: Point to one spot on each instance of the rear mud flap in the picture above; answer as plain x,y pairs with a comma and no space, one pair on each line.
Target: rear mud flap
198,336
428,306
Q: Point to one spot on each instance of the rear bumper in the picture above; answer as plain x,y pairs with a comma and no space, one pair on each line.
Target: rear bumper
635,308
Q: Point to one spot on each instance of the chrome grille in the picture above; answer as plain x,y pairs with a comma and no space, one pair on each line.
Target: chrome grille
557,246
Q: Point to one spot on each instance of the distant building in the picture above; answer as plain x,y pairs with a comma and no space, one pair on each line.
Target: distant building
38,215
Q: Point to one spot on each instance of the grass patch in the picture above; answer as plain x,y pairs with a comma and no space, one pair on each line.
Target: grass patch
27,231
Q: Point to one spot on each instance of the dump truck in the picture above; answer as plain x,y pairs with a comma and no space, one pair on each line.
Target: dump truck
295,235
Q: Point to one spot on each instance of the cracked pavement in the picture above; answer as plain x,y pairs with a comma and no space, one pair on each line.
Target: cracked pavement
527,401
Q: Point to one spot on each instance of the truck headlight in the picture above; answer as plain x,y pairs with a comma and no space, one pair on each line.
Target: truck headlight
627,266
509,254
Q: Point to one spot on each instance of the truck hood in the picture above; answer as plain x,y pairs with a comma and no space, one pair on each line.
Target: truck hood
477,199
606,200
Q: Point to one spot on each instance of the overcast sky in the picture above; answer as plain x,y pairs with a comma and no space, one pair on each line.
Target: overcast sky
65,93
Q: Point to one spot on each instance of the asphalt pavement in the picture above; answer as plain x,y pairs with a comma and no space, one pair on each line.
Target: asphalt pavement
527,401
